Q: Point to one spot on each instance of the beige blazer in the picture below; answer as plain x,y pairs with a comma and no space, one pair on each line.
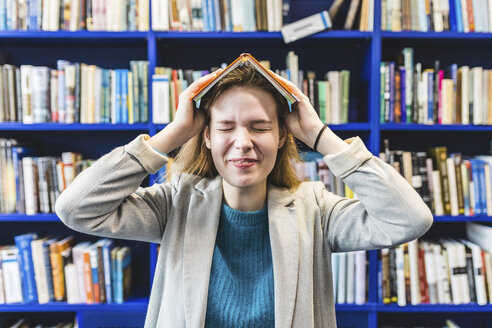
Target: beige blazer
305,227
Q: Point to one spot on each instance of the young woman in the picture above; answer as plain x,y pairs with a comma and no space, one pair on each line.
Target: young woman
243,242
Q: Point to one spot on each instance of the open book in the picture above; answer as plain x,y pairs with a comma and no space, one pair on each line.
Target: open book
247,59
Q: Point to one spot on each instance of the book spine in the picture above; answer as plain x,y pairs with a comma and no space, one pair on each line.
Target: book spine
39,271
144,116
48,270
23,243
89,292
107,270
12,275
124,96
94,274
403,95
58,272
360,277
100,275
470,275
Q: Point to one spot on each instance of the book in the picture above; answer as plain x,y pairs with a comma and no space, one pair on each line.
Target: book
306,26
247,59
11,275
26,266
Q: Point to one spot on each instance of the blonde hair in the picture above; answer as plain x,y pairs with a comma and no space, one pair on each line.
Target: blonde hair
195,158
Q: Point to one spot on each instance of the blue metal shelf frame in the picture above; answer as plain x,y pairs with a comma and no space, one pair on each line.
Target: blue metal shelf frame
132,304
433,308
15,217
372,127
16,126
435,35
435,127
72,35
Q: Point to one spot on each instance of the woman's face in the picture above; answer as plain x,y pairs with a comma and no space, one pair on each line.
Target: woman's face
244,136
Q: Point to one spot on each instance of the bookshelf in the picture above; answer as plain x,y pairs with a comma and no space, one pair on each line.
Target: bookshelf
360,52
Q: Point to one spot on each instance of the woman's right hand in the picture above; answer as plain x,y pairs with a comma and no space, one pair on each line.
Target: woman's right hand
187,122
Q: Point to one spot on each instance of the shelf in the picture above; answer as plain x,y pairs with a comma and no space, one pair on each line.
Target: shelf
434,127
461,218
434,308
350,127
259,35
16,217
132,304
435,35
17,126
354,308
74,34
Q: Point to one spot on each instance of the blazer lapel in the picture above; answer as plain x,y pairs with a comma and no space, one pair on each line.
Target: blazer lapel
199,241
284,239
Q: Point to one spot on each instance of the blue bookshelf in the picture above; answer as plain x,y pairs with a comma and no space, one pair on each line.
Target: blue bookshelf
131,304
14,126
361,52
435,127
446,35
48,217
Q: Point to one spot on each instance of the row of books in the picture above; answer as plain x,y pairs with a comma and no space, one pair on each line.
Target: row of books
30,184
314,168
437,15
360,14
411,93
450,185
50,269
349,272
442,272
416,15
220,15
330,96
74,93
25,323
349,269
74,15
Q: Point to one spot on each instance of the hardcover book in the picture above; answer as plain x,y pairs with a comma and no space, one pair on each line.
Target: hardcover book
247,59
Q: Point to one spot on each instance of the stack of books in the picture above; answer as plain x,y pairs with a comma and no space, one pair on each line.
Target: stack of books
411,93
51,269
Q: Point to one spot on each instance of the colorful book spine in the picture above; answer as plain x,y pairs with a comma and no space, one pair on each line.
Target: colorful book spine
106,249
124,96
475,169
117,85
23,243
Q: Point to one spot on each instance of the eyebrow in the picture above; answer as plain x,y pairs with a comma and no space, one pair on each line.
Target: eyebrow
253,122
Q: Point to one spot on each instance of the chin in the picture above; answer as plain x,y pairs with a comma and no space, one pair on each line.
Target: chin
243,183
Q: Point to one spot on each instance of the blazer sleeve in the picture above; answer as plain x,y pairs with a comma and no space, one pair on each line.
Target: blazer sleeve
106,199
387,212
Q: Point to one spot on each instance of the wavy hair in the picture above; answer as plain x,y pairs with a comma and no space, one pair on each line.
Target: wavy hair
195,158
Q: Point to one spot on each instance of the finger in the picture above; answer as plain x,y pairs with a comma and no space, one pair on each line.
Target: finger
196,85
297,92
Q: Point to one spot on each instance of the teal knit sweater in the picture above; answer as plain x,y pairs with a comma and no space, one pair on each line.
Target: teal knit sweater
240,292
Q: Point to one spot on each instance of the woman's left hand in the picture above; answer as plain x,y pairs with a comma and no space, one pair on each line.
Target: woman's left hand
303,122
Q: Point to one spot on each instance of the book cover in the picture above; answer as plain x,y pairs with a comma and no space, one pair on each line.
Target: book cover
247,59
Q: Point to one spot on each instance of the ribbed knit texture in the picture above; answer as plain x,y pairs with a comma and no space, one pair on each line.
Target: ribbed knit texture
240,291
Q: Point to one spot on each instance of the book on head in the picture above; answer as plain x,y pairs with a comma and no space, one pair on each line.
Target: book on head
247,59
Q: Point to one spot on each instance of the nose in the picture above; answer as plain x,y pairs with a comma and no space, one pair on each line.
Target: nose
243,139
